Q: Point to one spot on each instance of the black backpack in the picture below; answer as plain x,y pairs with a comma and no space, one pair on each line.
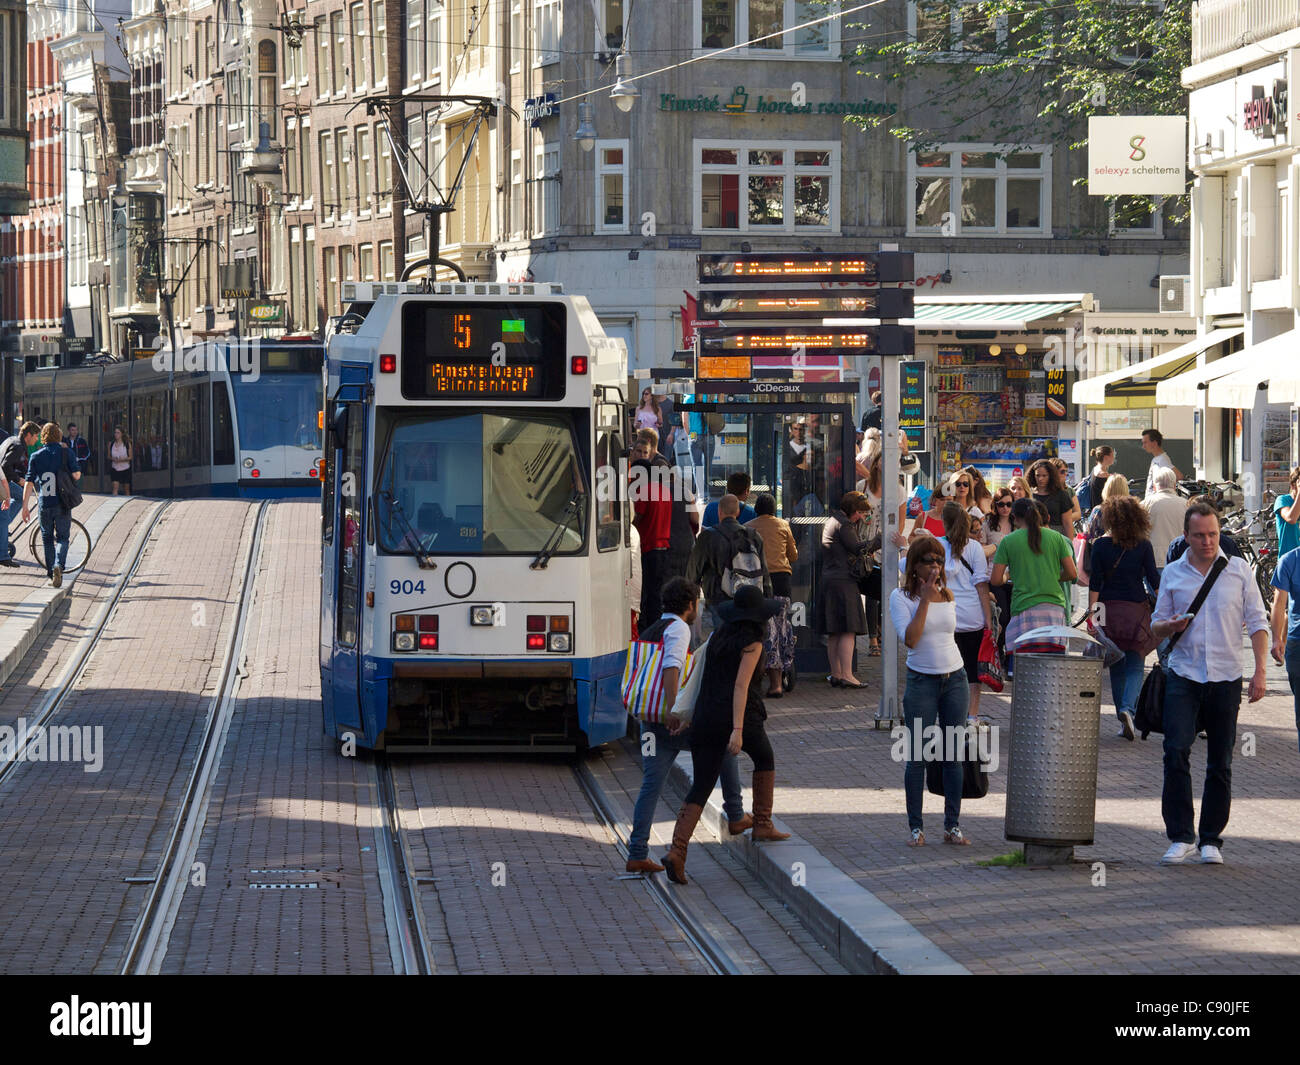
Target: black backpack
66,485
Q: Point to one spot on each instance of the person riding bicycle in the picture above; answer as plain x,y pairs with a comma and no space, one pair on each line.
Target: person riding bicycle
43,469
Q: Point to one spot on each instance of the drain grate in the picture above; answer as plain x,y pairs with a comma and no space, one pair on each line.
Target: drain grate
284,887
284,872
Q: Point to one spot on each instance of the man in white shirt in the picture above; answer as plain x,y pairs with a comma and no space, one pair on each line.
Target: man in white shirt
1153,443
1203,680
1165,507
659,745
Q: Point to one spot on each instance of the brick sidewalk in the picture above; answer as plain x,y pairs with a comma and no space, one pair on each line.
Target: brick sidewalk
839,788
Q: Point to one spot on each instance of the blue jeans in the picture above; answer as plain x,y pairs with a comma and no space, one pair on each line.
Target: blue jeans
1292,658
56,526
1216,704
656,768
1126,682
6,517
928,699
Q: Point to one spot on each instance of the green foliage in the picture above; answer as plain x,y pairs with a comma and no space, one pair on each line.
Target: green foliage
1013,858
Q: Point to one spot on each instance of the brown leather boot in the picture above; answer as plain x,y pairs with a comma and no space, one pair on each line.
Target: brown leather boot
675,859
643,865
763,827
737,827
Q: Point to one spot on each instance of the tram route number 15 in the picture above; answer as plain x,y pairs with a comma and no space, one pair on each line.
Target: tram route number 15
406,587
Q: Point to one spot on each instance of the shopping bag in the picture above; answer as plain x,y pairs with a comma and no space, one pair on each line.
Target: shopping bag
991,670
689,692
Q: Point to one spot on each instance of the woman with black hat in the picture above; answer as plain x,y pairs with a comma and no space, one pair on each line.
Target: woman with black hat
729,716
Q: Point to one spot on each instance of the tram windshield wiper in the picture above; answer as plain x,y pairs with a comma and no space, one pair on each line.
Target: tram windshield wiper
422,557
571,510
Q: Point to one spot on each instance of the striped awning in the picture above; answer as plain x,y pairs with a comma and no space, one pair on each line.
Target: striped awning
1010,315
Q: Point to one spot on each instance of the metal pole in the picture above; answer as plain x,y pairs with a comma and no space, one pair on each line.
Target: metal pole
890,497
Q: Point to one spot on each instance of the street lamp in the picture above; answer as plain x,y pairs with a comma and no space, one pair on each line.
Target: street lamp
624,94
585,134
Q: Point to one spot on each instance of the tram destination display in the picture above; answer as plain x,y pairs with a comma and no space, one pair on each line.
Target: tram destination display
483,350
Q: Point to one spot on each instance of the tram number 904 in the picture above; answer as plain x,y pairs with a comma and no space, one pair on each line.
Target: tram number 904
406,587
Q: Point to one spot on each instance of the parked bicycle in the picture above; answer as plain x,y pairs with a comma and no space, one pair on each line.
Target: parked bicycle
1259,549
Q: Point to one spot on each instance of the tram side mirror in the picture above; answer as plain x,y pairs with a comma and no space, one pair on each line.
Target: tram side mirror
339,426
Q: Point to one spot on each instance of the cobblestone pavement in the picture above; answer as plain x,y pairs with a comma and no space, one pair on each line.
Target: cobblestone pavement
839,788
286,809
71,838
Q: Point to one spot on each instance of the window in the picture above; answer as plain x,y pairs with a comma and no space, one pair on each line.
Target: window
384,178
304,159
546,187
757,187
415,42
324,78
610,31
974,189
366,261
379,42
331,265
338,57
516,194
309,269
611,186
415,145
357,28
329,200
295,56
347,261
546,21
952,28
347,189
1137,216
724,23
516,35
364,168
387,270
433,39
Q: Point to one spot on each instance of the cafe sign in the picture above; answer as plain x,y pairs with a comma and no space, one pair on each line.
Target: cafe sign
741,102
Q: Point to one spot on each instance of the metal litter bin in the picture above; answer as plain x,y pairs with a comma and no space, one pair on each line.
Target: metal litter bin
1052,757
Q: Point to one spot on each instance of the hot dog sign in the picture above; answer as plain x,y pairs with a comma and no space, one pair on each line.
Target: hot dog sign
1058,403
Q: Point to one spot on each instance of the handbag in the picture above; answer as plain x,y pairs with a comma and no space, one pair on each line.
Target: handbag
1128,624
1149,715
974,769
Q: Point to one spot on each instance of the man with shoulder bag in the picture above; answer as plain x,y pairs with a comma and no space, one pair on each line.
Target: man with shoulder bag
46,469
1205,601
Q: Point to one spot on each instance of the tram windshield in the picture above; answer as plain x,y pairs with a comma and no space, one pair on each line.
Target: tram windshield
481,484
278,410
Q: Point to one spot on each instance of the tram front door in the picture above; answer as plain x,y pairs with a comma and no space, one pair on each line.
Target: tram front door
798,451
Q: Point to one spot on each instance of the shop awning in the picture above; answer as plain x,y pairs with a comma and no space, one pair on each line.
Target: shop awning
1010,313
1248,368
1284,384
1092,391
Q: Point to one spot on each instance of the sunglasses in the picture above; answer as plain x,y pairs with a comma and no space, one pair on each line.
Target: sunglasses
1004,503
932,560
963,484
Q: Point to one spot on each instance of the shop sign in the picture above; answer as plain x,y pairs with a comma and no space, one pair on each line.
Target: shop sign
1137,155
266,312
911,401
1265,113
741,102
537,108
1059,407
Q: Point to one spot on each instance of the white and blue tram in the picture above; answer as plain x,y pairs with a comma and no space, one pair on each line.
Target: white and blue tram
229,418
475,544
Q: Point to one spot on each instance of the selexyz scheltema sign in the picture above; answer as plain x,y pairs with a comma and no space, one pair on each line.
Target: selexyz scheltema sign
1137,155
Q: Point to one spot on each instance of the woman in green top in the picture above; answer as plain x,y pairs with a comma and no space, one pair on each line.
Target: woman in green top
1040,559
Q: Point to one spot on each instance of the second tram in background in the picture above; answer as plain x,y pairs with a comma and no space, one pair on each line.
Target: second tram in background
233,418
475,546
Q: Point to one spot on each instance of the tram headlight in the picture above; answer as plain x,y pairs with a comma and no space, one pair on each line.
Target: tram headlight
248,464
403,641
480,615
561,642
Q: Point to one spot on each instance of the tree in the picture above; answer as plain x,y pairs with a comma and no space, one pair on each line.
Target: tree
1021,72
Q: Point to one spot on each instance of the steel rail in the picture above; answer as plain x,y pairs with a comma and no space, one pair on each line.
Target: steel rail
408,938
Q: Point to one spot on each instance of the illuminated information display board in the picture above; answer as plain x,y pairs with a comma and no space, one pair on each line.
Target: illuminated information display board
487,350
869,268
727,304
811,339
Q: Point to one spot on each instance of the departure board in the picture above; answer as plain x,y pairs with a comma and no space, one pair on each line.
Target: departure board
486,350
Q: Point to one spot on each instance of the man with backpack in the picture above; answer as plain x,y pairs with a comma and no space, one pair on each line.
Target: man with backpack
13,471
727,557
43,469
660,745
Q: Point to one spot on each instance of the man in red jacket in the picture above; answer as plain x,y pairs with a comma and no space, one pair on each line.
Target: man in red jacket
652,501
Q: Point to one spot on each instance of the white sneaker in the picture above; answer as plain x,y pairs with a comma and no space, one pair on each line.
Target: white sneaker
1210,855
1125,725
1178,853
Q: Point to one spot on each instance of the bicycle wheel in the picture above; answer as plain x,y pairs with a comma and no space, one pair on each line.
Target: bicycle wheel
1264,578
78,546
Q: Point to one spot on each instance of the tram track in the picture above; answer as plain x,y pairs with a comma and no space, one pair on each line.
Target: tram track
63,688
147,944
408,936
720,961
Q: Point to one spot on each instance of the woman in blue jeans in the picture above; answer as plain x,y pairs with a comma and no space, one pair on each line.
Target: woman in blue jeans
925,618
1119,563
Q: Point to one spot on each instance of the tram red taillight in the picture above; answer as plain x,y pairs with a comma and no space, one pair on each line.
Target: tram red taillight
536,641
388,364
578,364
428,641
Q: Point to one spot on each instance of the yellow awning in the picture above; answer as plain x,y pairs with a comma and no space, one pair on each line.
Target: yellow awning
1092,390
